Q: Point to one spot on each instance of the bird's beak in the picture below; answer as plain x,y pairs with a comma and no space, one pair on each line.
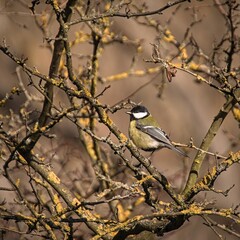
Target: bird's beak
128,113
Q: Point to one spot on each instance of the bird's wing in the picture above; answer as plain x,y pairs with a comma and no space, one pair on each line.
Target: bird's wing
158,134
155,132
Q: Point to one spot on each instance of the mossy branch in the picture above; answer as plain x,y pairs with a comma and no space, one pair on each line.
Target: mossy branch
206,143
53,73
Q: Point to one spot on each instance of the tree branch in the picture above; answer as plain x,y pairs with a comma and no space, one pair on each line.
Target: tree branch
198,160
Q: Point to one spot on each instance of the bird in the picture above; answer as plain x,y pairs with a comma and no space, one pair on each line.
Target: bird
145,132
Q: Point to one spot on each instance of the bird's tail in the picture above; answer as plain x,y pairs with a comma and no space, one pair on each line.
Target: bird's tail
179,151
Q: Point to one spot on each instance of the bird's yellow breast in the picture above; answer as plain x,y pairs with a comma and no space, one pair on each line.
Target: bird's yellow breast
141,139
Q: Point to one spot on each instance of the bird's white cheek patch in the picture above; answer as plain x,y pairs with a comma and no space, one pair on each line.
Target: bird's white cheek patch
140,115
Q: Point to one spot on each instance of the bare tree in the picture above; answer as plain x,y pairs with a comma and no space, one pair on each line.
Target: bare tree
68,170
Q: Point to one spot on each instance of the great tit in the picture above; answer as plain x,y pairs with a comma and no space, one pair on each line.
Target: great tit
145,132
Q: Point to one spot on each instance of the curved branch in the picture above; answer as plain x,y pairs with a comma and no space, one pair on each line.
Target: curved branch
53,73
212,131
208,180
127,14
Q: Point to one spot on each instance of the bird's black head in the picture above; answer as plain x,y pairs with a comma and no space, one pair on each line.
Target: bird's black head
138,112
